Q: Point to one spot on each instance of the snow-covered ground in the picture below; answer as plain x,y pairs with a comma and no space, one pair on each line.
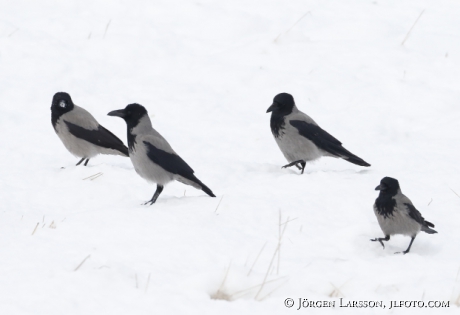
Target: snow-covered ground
207,71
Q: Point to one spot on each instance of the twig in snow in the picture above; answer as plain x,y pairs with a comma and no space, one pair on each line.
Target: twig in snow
282,34
43,220
98,175
107,27
456,278
336,292
242,292
288,221
89,36
219,295
261,250
35,228
94,176
267,295
456,302
279,241
225,277
219,203
147,285
408,33
430,201
271,262
454,192
82,262
135,276
247,259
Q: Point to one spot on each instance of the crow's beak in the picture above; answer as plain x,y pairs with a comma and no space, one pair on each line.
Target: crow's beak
271,108
119,113
381,187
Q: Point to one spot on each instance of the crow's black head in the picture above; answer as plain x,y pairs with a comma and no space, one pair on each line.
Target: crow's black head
385,203
283,104
132,114
388,185
62,103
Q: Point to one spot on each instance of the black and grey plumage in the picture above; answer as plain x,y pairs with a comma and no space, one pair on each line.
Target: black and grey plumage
80,132
396,214
152,156
300,138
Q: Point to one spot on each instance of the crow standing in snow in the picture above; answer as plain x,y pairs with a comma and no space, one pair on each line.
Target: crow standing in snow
300,138
80,133
152,156
396,214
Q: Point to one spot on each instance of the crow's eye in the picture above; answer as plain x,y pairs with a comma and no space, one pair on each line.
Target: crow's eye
62,104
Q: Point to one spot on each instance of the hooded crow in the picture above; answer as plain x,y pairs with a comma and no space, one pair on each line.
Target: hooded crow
300,138
396,214
80,133
152,156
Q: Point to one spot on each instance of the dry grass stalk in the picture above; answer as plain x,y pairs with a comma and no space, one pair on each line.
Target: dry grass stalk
94,176
220,295
215,211
106,28
454,192
260,252
408,33
35,228
273,259
282,34
147,285
82,262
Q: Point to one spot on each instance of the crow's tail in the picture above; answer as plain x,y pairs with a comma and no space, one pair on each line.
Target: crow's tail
350,157
195,182
426,228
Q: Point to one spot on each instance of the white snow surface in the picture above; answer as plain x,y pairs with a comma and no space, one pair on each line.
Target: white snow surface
207,71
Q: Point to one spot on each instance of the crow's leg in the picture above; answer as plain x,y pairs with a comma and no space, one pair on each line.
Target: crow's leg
155,195
380,239
80,161
303,166
87,160
292,164
408,249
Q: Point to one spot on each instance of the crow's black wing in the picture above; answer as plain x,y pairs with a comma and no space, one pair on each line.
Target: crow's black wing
174,164
323,140
169,161
417,216
414,213
100,137
317,135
